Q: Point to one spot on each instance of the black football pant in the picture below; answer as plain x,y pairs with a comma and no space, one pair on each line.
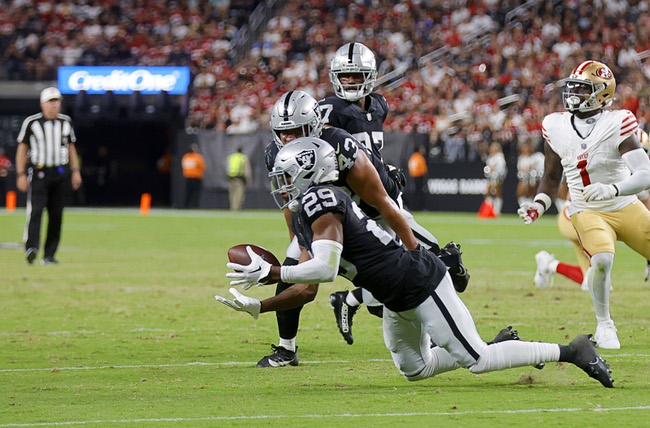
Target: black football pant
48,189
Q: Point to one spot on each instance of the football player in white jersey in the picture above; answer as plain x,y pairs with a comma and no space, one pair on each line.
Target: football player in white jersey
605,167
530,167
495,171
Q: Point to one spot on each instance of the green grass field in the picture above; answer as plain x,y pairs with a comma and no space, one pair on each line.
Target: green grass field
126,332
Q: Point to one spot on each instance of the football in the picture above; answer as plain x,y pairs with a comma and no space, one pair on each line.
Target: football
238,254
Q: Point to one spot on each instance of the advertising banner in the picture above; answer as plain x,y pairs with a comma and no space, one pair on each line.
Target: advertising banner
124,80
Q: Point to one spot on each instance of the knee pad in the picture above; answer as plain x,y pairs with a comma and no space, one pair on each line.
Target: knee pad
602,262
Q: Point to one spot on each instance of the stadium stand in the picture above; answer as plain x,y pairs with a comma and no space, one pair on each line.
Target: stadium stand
459,74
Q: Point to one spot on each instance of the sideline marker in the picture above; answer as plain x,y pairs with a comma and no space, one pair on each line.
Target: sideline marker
145,203
11,201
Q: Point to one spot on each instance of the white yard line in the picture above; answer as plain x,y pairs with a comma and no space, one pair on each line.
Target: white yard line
235,363
324,416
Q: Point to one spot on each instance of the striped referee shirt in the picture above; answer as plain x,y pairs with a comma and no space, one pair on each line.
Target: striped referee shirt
48,140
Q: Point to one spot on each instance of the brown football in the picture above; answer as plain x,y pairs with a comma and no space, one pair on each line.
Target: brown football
238,254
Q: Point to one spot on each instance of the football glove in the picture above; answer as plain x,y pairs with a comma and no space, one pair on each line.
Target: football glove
254,274
397,175
451,257
599,192
530,211
242,303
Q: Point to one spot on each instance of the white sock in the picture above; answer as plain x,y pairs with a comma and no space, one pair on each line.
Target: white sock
600,283
288,344
515,353
553,265
498,203
351,300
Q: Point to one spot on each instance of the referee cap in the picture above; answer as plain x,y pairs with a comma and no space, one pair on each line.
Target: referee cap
50,93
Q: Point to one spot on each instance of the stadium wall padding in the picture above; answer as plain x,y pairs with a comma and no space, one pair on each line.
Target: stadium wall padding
452,187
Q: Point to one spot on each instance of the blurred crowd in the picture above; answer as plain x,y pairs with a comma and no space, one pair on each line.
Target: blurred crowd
464,72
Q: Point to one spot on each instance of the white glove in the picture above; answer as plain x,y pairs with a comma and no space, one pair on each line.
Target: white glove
242,303
599,192
253,274
530,211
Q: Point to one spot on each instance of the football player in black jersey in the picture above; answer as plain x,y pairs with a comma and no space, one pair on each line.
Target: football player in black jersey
420,302
362,112
361,173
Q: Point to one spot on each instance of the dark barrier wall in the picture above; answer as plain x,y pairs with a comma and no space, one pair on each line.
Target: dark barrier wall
451,187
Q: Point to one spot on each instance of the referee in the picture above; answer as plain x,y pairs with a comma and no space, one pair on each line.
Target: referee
46,164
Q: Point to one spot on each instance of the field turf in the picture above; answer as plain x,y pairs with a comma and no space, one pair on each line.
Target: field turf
125,331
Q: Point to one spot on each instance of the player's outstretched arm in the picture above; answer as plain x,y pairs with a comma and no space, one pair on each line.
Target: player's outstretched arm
364,180
547,190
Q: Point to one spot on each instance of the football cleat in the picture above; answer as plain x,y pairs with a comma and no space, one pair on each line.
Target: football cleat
30,255
606,337
49,261
279,358
543,275
505,334
343,314
588,359
646,273
451,257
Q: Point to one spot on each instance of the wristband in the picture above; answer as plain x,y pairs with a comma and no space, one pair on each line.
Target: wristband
543,199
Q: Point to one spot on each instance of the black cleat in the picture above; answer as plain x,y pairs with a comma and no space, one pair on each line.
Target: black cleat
343,314
279,358
506,334
509,334
30,255
588,359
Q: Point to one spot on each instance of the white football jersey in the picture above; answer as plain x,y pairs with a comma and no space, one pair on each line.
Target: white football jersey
593,159
495,167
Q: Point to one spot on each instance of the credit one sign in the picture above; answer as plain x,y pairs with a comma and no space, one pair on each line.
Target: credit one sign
124,80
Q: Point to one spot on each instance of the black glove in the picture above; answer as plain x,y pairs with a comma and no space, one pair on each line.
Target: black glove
451,257
397,175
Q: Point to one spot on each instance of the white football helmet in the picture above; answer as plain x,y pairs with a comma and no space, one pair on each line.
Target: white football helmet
353,58
299,165
590,86
296,109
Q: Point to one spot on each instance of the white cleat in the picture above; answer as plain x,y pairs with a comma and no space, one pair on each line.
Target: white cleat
606,337
543,274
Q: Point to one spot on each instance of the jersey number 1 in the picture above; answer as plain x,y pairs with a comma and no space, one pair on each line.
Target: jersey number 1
582,167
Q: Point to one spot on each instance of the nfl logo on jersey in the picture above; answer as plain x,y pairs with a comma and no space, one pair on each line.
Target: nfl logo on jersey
583,146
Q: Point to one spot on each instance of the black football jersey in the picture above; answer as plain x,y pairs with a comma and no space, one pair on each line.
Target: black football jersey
346,148
399,278
365,125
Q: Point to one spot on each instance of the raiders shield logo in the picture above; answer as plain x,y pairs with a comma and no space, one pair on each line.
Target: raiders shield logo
306,159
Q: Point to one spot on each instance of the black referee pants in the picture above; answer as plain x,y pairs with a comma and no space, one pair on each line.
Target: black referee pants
49,189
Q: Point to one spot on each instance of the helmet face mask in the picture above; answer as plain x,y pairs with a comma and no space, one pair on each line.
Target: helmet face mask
353,59
590,87
299,165
296,112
